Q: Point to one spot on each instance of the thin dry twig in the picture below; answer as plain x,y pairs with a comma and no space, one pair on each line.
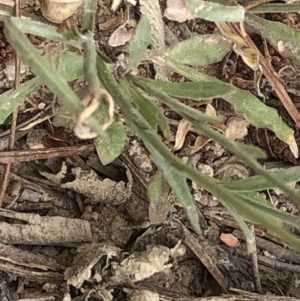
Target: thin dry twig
9,157
14,117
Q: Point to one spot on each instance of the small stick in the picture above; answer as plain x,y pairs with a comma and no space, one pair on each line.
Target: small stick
9,157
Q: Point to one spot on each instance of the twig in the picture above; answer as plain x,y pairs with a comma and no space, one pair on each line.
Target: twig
255,269
14,116
9,157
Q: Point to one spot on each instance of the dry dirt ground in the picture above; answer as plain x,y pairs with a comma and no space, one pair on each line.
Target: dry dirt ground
73,229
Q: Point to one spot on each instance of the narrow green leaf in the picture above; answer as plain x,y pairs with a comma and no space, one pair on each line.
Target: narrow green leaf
155,187
110,148
153,114
282,37
11,99
158,194
200,50
42,68
253,213
214,12
180,187
276,8
258,183
89,13
257,113
171,102
139,43
40,29
196,91
267,211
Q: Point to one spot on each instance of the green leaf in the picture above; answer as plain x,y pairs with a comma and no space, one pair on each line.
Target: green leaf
200,50
110,148
155,187
282,37
214,12
153,114
171,102
71,66
257,113
196,91
169,163
11,99
139,43
257,183
251,210
43,30
275,8
89,13
180,187
158,194
45,72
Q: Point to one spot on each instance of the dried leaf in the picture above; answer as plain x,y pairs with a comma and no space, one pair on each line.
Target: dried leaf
210,110
115,4
176,11
112,23
88,183
120,36
182,130
237,128
88,255
139,266
201,140
249,55
57,11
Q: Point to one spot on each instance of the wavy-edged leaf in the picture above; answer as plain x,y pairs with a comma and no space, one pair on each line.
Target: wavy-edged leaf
139,43
215,12
256,113
110,148
282,37
200,50
153,114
